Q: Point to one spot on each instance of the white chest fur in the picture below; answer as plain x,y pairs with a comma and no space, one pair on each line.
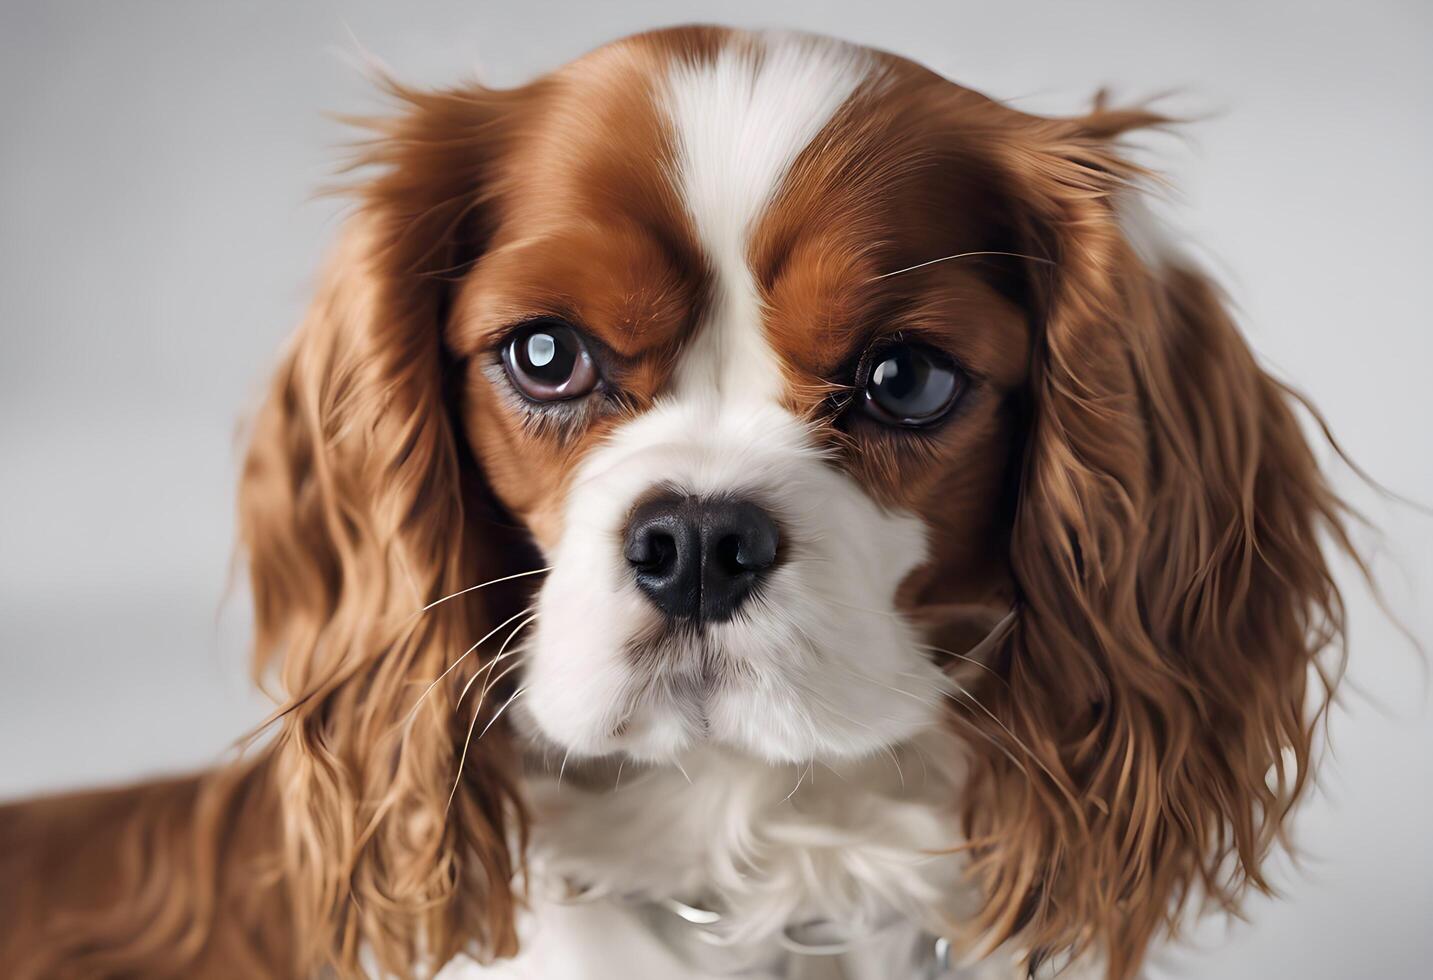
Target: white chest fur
606,940
864,848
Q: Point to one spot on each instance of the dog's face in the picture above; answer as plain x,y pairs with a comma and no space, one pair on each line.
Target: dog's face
802,368
749,439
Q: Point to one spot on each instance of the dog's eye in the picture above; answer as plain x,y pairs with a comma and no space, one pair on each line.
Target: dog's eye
549,362
911,385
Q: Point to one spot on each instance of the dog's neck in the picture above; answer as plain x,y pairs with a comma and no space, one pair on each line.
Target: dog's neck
855,844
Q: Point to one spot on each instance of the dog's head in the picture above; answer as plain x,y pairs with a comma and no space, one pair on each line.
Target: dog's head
794,400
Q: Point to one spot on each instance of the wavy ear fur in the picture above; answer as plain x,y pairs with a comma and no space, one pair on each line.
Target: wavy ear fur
1156,716
359,506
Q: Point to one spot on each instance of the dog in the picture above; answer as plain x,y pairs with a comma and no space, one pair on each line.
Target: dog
740,503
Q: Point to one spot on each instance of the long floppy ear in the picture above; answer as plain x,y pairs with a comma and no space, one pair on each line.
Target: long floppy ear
1156,715
359,506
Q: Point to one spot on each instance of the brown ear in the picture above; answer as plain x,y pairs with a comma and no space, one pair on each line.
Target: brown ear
1155,720
359,507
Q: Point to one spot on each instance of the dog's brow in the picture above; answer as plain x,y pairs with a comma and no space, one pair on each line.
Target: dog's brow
960,255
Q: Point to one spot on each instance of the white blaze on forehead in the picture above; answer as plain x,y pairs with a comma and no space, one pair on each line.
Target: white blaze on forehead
740,122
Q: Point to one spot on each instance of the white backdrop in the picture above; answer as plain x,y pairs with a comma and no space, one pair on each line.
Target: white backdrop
158,236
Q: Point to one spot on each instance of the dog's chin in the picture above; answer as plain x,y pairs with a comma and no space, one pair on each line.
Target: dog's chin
690,697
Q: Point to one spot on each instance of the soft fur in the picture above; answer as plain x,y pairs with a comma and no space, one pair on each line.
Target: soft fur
1035,679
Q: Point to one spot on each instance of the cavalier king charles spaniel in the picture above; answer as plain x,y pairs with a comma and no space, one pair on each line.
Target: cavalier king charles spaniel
740,504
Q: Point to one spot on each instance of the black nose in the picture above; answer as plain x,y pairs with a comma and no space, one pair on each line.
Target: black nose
700,558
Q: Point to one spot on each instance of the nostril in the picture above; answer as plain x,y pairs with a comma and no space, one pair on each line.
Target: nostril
745,552
728,555
652,551
748,543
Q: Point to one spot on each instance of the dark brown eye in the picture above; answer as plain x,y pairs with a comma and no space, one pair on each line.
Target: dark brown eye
548,361
911,385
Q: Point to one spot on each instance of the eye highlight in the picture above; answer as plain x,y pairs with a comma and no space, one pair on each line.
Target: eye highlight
911,385
548,361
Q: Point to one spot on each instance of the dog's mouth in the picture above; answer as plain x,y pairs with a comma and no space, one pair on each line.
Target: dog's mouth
684,649
680,669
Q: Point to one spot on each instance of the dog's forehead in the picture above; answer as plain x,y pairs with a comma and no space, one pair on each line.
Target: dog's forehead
684,169
741,120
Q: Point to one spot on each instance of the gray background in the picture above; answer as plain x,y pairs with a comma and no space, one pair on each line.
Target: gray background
158,236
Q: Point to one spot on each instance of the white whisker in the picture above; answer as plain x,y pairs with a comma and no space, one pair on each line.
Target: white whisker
959,255
481,585
489,635
962,656
477,710
488,668
1013,737
800,778
896,690
492,682
495,717
463,758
